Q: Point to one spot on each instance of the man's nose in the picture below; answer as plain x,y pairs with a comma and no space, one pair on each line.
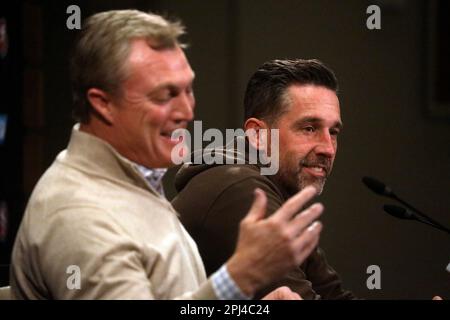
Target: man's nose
184,109
326,145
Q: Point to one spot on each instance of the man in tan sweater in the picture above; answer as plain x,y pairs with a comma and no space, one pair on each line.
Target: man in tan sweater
97,224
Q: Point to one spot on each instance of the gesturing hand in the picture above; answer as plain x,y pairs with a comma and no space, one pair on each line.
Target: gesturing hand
268,248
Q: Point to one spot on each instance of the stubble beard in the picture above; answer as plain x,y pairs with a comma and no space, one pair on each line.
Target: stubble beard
293,180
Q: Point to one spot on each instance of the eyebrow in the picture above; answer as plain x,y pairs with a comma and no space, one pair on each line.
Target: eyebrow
171,85
337,124
165,86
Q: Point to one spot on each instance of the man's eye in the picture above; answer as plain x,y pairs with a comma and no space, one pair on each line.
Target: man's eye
162,99
334,132
309,129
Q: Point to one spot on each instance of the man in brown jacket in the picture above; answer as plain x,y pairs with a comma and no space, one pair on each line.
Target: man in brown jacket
299,99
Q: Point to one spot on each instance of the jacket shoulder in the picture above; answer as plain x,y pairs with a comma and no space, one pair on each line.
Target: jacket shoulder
230,174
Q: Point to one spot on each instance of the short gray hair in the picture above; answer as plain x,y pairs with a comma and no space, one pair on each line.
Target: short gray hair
103,46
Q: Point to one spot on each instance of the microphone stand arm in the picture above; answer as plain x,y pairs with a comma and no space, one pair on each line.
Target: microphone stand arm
421,214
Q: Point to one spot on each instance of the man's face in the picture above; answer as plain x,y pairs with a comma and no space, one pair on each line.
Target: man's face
156,99
308,133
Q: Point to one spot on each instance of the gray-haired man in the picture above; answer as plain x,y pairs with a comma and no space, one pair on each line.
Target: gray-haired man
95,227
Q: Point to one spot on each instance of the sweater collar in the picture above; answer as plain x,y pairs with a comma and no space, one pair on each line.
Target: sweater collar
97,157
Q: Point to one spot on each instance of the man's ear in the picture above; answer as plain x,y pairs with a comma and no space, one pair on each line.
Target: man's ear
256,131
102,104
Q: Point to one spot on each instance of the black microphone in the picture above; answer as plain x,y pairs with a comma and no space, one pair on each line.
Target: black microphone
377,187
399,212
381,189
402,213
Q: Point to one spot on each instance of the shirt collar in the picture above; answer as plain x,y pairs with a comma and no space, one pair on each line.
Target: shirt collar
153,176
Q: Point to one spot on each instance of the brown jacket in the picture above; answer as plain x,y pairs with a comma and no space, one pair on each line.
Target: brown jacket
213,199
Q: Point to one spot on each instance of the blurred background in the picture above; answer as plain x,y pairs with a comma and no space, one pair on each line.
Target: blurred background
395,103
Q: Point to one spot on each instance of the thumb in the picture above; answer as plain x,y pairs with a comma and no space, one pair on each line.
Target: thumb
258,209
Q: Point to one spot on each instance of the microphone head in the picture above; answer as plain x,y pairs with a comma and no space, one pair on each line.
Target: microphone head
377,186
398,212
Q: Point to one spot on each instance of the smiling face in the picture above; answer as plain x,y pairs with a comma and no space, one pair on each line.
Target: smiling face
155,99
308,133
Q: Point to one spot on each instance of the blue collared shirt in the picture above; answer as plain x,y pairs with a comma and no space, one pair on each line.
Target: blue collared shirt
154,177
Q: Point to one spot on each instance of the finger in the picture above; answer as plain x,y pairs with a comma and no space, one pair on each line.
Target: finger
295,296
258,209
307,241
276,294
291,295
295,203
305,218
282,293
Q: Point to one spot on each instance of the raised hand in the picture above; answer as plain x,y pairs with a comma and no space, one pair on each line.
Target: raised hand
270,247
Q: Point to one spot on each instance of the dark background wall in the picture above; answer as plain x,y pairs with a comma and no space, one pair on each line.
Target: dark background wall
389,132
